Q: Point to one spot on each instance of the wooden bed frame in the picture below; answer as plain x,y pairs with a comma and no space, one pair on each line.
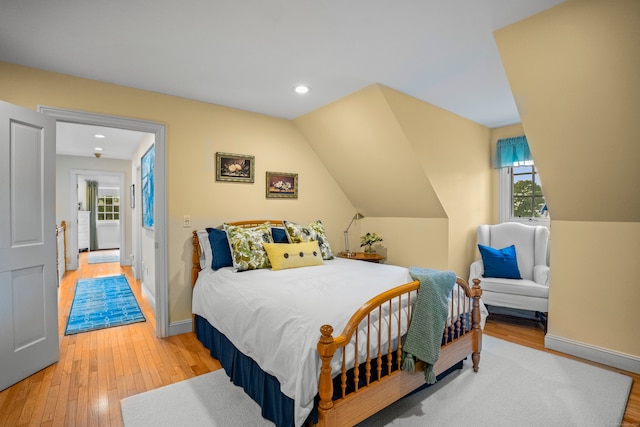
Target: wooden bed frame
370,389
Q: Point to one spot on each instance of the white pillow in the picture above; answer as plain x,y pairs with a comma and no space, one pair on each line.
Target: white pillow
206,256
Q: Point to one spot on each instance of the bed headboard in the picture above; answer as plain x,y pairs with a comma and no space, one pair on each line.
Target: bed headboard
195,258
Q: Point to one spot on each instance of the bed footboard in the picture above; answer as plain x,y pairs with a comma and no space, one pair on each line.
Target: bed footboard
377,381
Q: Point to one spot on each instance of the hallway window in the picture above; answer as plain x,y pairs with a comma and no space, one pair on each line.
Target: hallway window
108,208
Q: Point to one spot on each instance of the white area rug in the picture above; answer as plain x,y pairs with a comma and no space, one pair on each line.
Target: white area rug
515,385
207,400
103,256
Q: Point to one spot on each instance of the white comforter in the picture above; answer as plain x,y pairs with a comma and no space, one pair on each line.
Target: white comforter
274,317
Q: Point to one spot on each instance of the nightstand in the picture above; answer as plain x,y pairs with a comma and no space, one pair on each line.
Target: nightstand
362,256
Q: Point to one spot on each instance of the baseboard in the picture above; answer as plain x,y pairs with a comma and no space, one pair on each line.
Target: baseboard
180,327
605,356
147,295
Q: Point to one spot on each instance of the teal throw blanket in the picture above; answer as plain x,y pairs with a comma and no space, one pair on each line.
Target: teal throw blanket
428,319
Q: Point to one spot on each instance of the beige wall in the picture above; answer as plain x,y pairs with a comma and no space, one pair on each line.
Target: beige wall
412,241
195,132
453,153
594,291
418,173
573,70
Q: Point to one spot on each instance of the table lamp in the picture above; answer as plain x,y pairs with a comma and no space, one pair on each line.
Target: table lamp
347,252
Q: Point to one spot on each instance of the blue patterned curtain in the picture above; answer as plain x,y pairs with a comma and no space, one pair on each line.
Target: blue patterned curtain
511,152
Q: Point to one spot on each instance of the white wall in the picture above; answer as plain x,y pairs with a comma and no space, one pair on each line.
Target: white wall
109,231
143,239
82,193
108,235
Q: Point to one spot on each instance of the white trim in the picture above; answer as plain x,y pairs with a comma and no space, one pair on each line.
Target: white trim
181,327
147,294
505,200
626,362
160,182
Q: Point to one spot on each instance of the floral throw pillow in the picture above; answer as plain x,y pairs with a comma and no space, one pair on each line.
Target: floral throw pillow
246,247
306,233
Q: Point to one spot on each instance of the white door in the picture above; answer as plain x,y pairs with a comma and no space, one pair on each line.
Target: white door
28,288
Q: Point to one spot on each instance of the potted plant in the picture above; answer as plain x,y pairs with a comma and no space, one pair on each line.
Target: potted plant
368,240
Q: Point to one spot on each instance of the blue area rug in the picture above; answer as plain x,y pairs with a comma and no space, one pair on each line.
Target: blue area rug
104,256
102,302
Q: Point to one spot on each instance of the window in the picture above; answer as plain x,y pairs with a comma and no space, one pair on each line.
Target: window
108,208
521,196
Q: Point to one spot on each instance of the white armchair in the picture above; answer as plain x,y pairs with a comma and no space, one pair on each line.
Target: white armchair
531,292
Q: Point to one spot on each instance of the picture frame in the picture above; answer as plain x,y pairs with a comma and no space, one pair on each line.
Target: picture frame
148,190
235,167
282,185
132,195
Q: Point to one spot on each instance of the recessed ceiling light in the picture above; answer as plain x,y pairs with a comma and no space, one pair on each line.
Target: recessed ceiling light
98,135
301,89
98,148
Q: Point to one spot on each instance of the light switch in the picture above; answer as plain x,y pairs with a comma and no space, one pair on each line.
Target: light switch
186,222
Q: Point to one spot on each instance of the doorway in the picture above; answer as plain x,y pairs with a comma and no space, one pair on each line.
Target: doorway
77,181
160,202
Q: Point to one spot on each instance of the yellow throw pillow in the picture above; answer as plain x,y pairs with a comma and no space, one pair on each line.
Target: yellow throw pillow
292,255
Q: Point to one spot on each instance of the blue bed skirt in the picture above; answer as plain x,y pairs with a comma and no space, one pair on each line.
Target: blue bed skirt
245,372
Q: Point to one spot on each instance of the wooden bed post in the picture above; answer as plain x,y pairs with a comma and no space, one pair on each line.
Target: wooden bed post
326,350
477,336
195,258
195,270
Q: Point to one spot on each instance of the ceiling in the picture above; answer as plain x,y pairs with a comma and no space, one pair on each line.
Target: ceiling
80,140
249,54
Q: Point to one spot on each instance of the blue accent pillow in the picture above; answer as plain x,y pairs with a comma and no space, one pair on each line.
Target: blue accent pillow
500,263
221,253
279,235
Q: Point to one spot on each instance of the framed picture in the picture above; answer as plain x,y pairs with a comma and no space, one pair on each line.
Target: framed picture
146,171
235,167
281,185
132,195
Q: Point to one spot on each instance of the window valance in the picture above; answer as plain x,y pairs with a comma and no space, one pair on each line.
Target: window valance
512,152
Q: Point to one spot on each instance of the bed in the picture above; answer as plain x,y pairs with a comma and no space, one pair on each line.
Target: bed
322,344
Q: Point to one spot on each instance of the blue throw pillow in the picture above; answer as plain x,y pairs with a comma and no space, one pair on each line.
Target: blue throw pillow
221,254
500,263
279,235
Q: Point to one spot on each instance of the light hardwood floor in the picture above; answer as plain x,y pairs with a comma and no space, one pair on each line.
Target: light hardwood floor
97,369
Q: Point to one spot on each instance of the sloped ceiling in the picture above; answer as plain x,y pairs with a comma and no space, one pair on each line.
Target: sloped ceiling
574,73
384,148
358,136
